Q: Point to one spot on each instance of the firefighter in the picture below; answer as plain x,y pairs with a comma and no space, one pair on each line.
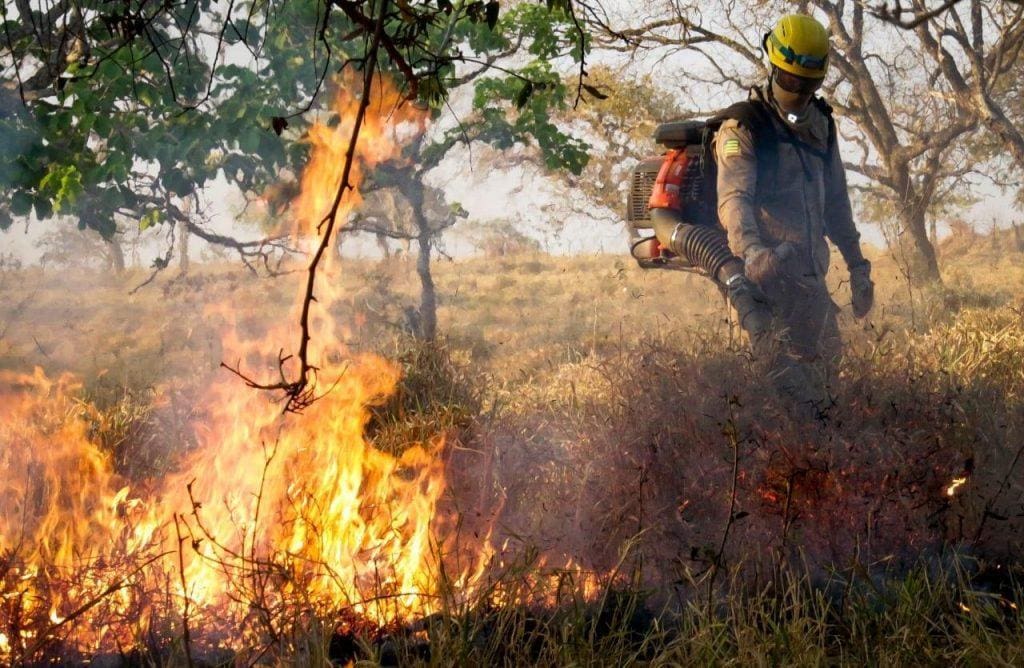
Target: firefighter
782,190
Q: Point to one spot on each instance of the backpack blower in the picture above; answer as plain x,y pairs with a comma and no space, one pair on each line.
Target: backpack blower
679,189
679,186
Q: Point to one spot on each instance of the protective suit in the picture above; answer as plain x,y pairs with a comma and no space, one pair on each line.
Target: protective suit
778,204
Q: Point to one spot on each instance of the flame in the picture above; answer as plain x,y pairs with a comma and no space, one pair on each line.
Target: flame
271,518
955,485
270,512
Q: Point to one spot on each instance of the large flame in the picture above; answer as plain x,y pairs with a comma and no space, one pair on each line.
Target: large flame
270,514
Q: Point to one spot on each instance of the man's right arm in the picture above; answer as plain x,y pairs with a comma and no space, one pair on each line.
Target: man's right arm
737,186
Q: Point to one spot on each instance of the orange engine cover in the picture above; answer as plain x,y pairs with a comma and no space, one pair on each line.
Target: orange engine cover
665,194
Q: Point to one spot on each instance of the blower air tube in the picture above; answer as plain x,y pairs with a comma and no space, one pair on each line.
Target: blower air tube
705,247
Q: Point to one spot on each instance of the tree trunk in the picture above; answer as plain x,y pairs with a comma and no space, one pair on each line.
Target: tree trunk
933,234
183,237
1017,236
912,212
115,255
428,296
385,249
924,265
413,191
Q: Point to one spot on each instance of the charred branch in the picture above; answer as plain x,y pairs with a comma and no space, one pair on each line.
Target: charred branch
301,391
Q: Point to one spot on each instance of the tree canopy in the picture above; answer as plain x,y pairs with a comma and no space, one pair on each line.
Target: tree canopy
124,111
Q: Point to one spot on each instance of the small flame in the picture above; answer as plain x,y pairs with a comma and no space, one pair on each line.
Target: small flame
955,485
964,607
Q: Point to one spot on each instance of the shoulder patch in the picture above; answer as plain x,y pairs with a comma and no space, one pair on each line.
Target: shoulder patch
731,147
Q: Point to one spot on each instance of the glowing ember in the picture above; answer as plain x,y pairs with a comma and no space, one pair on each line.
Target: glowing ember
955,485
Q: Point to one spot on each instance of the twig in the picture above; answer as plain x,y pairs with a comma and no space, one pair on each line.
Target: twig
991,502
730,432
186,639
301,391
893,15
47,635
581,33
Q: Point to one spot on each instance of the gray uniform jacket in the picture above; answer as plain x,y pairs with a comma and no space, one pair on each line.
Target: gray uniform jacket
804,201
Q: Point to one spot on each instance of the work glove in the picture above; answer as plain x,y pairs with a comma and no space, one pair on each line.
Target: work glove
753,308
766,265
862,288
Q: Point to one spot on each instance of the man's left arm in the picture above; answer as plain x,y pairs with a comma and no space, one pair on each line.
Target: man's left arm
838,214
841,230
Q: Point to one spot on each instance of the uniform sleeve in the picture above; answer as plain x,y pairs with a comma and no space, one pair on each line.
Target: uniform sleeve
838,215
737,186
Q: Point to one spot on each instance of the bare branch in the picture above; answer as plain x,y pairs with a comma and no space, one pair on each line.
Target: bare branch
302,391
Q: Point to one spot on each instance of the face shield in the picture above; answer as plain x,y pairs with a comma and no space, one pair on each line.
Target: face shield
791,83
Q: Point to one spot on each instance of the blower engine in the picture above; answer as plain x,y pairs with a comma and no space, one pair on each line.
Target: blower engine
680,185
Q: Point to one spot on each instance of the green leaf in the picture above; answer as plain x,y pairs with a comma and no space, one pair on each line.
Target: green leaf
44,209
176,182
147,96
103,124
108,70
105,225
151,218
432,91
523,96
249,140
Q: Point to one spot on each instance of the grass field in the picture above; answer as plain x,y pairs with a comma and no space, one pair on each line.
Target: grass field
603,416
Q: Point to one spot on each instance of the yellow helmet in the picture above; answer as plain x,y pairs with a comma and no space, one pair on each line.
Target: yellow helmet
799,45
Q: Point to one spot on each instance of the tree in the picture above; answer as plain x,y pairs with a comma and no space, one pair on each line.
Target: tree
894,104
138,61
133,114
402,207
503,239
976,46
510,106
978,56
619,123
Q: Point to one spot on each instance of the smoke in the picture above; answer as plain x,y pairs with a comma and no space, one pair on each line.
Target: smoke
677,464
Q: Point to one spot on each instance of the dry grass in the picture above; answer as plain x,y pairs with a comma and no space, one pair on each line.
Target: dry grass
602,411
